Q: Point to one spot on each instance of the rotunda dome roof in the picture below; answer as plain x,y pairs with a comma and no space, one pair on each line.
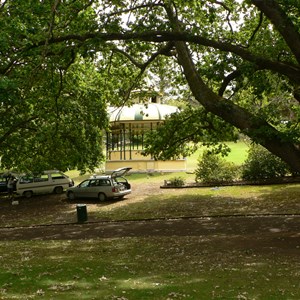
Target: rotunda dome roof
141,112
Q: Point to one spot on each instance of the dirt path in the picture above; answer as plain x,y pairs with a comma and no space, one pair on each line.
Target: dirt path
265,233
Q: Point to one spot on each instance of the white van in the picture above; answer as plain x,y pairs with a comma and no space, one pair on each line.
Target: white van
51,181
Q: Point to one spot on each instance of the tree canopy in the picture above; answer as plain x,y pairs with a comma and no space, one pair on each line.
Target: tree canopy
234,64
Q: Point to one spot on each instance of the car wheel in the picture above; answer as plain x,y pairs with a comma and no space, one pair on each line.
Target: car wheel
102,197
58,190
28,194
71,196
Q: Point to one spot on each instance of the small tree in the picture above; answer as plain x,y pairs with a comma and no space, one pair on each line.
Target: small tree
261,164
213,168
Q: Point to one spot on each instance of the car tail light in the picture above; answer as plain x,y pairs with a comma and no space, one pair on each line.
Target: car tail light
114,190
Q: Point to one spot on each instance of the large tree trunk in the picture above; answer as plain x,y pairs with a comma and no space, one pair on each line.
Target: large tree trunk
257,129
282,23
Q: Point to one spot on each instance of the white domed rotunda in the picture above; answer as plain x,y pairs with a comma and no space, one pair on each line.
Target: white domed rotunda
125,141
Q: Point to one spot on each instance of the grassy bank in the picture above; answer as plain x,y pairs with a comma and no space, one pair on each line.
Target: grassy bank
143,268
212,266
181,267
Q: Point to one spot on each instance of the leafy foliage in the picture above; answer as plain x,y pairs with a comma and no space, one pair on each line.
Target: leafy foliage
212,168
63,129
177,181
182,131
52,110
261,164
230,59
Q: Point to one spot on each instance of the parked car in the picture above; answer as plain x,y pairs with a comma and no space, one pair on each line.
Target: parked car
4,179
102,187
3,183
51,181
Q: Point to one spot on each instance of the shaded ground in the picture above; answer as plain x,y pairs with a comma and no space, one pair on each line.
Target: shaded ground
276,233
273,233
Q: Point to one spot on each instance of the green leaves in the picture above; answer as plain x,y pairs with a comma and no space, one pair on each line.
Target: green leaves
261,164
181,133
62,63
52,114
214,169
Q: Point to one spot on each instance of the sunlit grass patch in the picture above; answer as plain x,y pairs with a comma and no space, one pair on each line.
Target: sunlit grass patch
234,200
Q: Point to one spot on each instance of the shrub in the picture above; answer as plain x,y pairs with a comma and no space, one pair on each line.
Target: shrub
262,164
212,168
177,181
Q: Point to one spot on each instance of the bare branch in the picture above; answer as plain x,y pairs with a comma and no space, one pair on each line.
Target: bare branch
257,28
227,80
228,13
162,51
132,60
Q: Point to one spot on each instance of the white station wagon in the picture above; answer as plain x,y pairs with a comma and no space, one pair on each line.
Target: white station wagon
102,187
51,181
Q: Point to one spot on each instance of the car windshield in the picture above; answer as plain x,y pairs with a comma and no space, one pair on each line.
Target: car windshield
26,179
2,178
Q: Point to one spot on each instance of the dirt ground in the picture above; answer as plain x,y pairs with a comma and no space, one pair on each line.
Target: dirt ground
275,233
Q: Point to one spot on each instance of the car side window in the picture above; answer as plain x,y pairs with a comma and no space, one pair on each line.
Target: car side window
85,184
114,181
104,182
93,182
41,178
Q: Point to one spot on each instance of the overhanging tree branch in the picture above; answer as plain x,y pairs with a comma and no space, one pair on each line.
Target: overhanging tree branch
282,23
290,70
256,128
15,128
256,29
165,50
227,80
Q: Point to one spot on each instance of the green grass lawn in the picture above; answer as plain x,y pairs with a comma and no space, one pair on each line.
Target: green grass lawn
143,268
216,201
181,267
158,268
237,155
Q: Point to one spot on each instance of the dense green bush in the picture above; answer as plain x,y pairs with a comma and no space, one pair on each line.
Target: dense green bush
177,181
213,168
262,164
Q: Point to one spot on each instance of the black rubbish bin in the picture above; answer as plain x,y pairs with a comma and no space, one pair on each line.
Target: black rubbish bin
81,213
